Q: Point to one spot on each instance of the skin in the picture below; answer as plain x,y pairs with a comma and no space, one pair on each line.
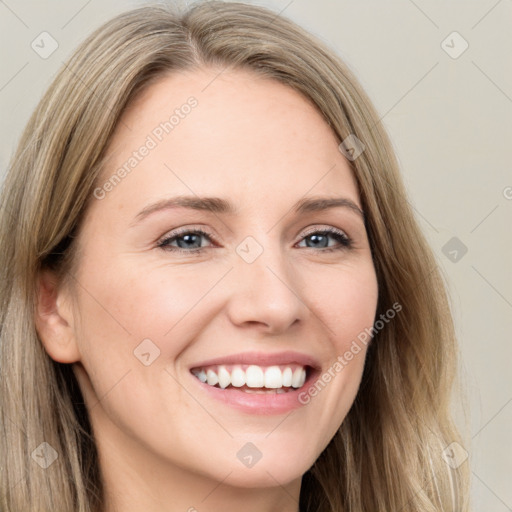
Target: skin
164,445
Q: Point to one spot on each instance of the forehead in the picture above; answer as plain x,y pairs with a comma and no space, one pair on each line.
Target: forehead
226,99
215,132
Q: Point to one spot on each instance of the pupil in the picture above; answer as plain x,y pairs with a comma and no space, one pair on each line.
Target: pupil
187,239
316,237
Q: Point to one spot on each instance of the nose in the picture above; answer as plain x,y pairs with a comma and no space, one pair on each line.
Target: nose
265,294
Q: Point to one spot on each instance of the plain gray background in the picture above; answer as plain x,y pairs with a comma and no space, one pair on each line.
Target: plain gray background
449,115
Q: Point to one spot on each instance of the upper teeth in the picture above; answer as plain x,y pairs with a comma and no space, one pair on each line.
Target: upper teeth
252,376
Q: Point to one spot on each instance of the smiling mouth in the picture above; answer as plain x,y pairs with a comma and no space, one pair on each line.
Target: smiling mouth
275,379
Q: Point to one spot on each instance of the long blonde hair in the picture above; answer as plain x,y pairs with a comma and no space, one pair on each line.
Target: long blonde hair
388,453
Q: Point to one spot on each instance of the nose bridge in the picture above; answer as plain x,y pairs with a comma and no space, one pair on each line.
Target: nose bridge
264,289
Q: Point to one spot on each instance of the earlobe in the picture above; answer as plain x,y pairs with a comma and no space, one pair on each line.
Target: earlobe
54,319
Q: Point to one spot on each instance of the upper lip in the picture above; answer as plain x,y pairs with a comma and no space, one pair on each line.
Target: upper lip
263,359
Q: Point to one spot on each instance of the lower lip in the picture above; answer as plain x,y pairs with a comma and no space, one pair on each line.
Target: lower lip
254,403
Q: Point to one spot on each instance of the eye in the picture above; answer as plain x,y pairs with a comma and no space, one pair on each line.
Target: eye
187,240
320,238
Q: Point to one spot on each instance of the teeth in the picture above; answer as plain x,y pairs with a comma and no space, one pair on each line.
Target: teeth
278,391
224,377
271,377
237,377
287,377
254,377
211,378
299,377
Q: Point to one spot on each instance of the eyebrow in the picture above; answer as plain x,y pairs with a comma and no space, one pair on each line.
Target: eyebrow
219,205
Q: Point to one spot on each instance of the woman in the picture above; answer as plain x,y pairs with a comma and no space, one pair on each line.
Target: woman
301,358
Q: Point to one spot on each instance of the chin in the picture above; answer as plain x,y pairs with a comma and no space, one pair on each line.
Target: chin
263,475
280,467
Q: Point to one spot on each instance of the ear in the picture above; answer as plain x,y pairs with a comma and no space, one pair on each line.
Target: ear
54,319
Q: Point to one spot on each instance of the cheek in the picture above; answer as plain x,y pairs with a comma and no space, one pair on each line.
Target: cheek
127,303
346,301
136,321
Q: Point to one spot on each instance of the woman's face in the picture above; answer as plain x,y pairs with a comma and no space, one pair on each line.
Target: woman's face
265,287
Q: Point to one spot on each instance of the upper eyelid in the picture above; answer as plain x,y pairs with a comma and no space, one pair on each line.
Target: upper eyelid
325,228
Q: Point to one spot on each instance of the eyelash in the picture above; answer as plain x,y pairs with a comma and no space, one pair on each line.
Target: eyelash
344,241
